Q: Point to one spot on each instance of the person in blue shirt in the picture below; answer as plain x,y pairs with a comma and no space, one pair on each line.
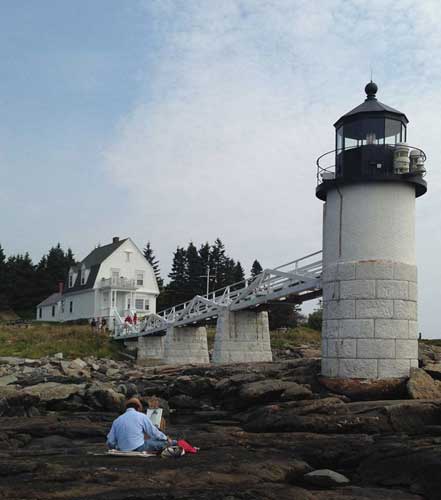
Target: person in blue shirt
129,431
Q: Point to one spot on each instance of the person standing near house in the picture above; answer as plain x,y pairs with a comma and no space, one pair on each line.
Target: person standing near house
129,431
93,325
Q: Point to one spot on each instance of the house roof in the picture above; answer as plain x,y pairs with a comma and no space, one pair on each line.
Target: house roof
93,262
51,300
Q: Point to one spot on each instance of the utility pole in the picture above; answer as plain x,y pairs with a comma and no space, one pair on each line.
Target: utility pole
208,277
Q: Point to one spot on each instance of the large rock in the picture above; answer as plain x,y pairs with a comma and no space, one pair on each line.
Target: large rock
412,417
366,390
270,390
53,391
325,478
422,386
434,370
8,379
104,396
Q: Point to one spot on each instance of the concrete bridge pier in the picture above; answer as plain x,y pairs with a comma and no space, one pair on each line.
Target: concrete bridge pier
186,344
150,349
242,336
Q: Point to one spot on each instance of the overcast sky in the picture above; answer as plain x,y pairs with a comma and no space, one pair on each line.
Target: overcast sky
179,120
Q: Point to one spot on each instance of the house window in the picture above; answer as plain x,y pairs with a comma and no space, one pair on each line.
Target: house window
128,256
83,276
40,312
115,276
71,307
53,311
139,304
147,305
128,303
62,306
140,279
70,280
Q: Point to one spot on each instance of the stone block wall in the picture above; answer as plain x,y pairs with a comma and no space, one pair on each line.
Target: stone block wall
186,344
150,348
242,336
369,319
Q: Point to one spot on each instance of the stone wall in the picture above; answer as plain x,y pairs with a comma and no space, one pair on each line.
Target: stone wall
369,319
150,348
242,336
186,344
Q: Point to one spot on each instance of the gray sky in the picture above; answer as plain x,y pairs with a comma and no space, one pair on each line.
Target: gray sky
175,120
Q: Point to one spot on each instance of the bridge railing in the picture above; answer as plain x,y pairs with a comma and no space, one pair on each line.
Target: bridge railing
274,283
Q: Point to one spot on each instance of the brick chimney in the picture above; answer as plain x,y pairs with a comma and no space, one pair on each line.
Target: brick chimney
115,239
60,287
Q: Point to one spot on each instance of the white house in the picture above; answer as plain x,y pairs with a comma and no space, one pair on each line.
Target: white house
113,280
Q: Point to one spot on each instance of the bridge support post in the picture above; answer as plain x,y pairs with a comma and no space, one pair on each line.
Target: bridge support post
186,344
242,336
150,349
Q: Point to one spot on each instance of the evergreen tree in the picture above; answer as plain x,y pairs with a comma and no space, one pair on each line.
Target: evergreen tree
219,264
238,273
256,269
284,315
177,288
204,255
154,262
20,284
195,272
3,294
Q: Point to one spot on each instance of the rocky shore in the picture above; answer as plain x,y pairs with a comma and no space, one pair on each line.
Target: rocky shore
270,430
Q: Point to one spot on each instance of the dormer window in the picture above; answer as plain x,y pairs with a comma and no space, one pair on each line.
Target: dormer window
84,275
128,252
70,280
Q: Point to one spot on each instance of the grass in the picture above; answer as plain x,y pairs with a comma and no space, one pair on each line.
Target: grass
45,339
281,339
40,339
294,337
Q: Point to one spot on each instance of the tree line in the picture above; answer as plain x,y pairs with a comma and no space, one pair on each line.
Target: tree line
195,269
24,284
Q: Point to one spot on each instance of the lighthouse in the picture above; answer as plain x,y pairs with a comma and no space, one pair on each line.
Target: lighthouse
369,185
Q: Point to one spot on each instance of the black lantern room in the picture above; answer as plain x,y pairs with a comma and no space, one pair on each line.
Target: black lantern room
370,145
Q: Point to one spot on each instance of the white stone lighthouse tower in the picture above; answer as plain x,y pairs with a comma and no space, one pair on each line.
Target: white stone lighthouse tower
369,263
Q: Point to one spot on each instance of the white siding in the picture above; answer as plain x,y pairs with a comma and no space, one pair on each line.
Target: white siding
83,305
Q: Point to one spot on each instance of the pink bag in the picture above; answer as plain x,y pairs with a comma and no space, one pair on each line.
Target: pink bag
187,446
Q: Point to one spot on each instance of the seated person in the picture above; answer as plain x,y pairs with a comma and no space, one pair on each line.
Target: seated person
129,430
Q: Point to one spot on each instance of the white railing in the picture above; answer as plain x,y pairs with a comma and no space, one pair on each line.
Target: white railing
124,283
298,277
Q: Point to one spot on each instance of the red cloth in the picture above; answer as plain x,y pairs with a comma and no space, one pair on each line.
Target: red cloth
187,446
128,319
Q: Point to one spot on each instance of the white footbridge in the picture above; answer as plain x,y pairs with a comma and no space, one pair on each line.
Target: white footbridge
298,280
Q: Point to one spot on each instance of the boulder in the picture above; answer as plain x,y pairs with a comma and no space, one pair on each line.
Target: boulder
325,478
104,396
297,469
422,386
412,417
434,370
8,379
53,391
366,390
11,360
271,390
58,355
185,402
112,372
78,364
